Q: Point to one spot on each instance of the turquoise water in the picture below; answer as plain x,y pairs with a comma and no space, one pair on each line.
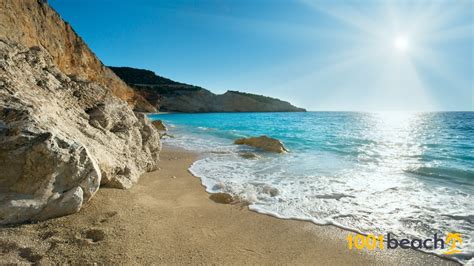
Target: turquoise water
411,174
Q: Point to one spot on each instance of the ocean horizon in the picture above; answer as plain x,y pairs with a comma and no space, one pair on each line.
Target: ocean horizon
410,174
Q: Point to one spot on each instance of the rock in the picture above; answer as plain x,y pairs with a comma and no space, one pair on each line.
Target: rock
222,198
248,155
164,135
263,142
34,23
66,120
60,139
159,125
68,203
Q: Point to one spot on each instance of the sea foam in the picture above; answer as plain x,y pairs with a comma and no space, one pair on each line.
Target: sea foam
410,180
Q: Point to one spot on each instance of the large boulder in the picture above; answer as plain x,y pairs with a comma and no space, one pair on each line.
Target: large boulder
263,142
61,138
44,175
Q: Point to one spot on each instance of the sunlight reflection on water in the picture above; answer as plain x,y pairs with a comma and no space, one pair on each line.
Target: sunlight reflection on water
410,174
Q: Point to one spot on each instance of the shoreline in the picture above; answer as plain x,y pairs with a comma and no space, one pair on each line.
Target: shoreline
346,229
168,217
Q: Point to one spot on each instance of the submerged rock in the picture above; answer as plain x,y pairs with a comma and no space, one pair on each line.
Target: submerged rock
164,135
222,198
159,125
263,142
248,155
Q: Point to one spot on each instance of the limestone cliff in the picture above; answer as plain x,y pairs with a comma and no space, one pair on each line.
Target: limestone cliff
169,95
66,124
35,23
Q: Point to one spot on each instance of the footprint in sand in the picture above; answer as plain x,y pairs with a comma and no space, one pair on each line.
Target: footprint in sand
91,236
94,235
48,234
29,254
106,216
26,253
53,238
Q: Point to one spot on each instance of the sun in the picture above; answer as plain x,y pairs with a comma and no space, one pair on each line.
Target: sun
401,44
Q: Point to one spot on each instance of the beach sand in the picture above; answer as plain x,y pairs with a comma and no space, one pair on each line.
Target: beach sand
168,218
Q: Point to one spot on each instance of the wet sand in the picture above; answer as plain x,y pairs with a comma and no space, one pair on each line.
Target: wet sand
169,218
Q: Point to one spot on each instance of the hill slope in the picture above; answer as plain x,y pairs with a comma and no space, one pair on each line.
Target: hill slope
169,95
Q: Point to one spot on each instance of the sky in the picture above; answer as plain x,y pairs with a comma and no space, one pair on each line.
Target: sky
322,55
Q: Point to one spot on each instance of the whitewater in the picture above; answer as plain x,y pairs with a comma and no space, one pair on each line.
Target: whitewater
408,174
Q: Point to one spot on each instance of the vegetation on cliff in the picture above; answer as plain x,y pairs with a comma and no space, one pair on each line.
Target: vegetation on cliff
168,95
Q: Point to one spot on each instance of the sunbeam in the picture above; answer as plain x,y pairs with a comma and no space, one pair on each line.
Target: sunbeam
406,35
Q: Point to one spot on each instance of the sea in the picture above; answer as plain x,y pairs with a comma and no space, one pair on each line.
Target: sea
410,174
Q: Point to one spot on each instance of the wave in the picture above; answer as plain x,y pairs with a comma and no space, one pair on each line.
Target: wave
458,176
467,218
357,184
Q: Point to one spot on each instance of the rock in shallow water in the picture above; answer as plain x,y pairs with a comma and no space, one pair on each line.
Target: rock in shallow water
263,142
222,198
248,155
159,125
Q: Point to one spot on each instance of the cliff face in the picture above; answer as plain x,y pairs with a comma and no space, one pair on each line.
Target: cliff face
33,23
66,124
169,95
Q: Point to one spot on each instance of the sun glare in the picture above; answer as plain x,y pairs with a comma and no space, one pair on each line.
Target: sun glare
401,43
397,52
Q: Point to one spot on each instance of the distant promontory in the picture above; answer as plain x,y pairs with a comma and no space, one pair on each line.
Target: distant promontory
170,96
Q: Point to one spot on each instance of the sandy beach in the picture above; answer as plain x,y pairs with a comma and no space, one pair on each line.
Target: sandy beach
169,218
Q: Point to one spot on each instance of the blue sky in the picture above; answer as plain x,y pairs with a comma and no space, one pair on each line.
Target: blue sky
321,55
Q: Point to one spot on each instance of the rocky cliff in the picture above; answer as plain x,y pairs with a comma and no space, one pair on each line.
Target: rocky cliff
66,121
34,23
169,95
